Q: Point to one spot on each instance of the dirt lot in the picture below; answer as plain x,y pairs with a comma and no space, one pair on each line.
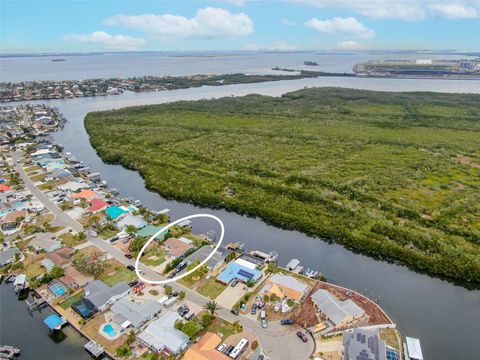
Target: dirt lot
306,315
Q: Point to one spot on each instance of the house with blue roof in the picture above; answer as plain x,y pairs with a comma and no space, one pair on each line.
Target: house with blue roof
240,270
113,212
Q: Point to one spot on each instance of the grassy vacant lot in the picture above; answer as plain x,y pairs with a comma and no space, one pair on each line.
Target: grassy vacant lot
211,288
392,175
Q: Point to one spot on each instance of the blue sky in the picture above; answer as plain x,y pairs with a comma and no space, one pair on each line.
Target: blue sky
119,25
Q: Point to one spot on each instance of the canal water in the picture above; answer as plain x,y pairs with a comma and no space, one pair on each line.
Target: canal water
30,334
445,317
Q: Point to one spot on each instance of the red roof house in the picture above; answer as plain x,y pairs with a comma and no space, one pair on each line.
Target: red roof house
97,205
4,187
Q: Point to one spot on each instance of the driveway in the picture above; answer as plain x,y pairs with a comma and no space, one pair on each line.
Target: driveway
231,295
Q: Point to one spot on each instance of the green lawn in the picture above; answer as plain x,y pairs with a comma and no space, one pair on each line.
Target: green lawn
155,256
121,274
220,325
395,176
211,288
68,302
70,240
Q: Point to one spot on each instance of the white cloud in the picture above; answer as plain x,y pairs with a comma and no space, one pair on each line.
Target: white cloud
350,45
455,11
111,42
207,23
288,22
277,46
408,10
341,26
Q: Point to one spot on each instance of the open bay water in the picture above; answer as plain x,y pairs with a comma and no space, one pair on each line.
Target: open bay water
445,317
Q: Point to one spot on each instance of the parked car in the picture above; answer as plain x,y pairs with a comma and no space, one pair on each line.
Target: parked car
263,314
131,267
183,310
128,255
302,336
174,294
133,283
253,310
222,347
260,304
234,311
229,350
189,316
287,322
234,283
172,275
264,323
261,357
181,266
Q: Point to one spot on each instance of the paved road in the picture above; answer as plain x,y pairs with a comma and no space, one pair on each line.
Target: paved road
278,342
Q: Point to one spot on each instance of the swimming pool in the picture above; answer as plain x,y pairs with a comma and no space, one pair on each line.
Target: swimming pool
109,330
57,289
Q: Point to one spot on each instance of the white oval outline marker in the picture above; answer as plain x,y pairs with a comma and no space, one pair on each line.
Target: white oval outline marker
168,226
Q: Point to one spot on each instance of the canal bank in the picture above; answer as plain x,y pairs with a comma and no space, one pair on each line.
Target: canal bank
29,333
444,316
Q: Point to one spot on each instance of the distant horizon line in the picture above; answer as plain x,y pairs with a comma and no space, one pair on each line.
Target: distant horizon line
344,51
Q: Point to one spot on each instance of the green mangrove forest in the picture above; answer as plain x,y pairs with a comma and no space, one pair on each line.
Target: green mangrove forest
395,176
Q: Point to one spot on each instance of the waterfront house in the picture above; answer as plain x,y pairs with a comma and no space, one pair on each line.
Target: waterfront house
161,335
177,247
114,212
85,194
74,278
150,230
205,349
134,220
128,313
97,205
61,257
101,295
8,255
240,270
284,287
339,312
73,186
217,260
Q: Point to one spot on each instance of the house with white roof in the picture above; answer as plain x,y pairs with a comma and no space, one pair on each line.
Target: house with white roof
161,335
128,313
339,312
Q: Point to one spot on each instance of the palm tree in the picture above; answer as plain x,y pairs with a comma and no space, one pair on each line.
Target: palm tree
211,307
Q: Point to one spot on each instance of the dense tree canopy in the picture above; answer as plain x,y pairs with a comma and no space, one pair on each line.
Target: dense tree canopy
392,175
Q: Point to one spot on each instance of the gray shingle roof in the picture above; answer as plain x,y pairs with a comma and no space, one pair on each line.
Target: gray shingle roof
336,310
100,293
202,253
136,313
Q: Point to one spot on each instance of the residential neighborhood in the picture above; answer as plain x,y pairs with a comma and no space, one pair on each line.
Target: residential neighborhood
73,241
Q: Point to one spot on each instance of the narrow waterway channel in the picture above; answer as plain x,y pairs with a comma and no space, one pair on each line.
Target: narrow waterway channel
445,317
30,334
